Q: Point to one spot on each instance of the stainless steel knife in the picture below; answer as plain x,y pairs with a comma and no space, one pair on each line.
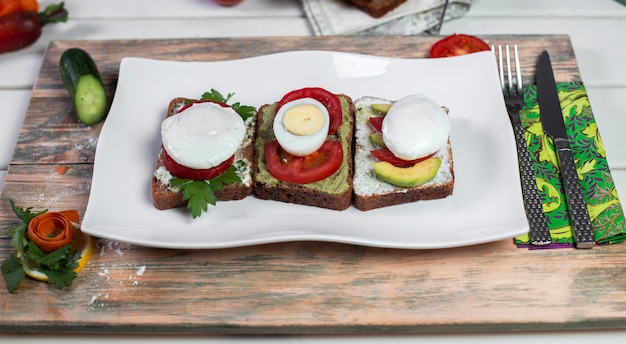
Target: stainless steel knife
553,125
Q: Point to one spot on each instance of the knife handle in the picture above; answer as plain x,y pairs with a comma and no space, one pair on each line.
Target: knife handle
579,215
539,233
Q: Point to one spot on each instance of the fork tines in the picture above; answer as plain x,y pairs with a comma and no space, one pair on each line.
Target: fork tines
514,86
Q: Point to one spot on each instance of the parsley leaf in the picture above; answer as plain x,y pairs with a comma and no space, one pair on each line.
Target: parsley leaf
25,214
19,240
245,111
18,232
60,259
216,96
200,193
58,265
13,272
59,278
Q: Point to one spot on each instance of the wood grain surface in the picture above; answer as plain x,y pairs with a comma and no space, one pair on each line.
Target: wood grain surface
294,287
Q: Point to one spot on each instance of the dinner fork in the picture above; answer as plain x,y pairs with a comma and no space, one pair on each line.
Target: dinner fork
514,99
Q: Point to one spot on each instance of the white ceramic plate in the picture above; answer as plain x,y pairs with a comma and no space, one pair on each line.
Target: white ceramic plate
486,204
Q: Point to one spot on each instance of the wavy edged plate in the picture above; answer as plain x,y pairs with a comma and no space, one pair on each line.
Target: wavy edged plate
486,204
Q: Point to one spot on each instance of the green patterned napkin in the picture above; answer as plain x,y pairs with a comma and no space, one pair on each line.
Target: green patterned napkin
605,210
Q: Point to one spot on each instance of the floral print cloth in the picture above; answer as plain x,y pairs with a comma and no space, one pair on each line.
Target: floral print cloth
605,210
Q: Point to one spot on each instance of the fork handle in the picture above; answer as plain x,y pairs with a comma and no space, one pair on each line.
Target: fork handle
539,233
579,215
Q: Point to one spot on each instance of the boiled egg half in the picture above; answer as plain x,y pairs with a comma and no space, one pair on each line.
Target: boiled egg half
203,135
301,126
415,127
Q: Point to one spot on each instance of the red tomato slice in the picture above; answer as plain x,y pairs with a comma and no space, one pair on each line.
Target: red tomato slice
457,44
300,170
377,123
185,172
187,106
330,100
384,154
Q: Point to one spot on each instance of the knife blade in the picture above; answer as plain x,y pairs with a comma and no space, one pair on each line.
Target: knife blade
554,126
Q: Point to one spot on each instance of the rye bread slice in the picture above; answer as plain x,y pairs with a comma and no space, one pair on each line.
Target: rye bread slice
335,192
369,191
166,198
377,8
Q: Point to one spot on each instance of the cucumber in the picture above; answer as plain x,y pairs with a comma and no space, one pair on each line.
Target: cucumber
82,80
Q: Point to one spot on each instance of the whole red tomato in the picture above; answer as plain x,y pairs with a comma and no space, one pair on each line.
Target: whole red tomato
227,3
19,30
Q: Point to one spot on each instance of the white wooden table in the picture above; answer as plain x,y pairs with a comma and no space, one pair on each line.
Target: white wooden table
596,29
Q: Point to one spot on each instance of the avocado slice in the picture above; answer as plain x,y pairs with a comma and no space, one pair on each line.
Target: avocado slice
417,174
382,108
377,139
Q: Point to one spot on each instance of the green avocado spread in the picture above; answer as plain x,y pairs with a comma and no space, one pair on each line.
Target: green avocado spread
335,184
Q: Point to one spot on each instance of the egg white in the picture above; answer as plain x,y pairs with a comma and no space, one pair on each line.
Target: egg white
415,127
203,135
300,145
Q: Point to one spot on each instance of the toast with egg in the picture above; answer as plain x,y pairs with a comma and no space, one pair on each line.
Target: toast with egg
370,192
166,197
333,192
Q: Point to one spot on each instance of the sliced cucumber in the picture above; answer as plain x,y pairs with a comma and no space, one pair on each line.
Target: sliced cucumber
82,80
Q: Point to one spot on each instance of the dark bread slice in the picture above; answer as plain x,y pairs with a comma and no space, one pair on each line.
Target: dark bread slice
369,191
335,192
165,198
377,8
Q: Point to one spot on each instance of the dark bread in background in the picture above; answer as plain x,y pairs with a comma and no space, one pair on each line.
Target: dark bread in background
164,198
377,8
270,188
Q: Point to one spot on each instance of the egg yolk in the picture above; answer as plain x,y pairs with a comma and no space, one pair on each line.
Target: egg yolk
303,119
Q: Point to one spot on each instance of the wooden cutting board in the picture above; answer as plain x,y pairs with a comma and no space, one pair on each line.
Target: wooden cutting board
294,287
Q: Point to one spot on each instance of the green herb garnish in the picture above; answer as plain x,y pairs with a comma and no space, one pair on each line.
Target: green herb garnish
200,193
58,265
245,111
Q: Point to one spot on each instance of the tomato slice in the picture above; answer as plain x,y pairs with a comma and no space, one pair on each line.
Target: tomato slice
330,100
188,105
457,44
185,172
377,123
304,170
384,154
